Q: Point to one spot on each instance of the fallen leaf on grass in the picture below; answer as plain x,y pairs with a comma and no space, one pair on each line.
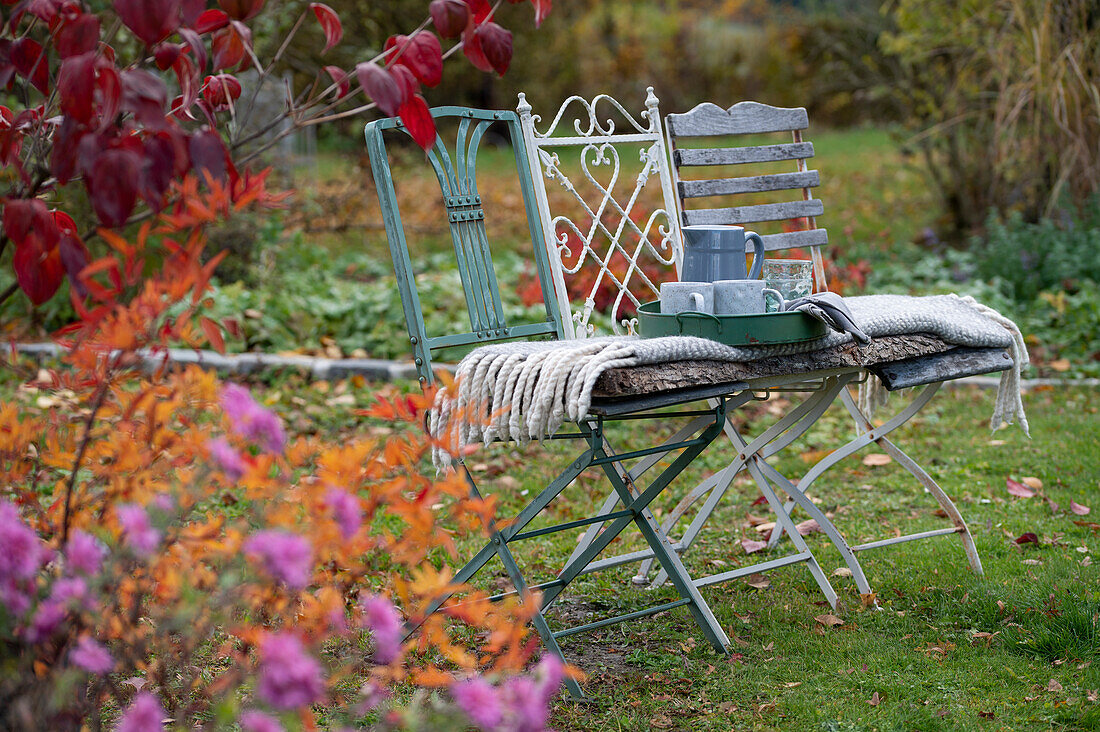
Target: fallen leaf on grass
842,572
751,546
1086,561
874,700
868,600
1028,538
983,636
1092,695
876,459
792,684
829,620
1061,365
987,715
1053,685
1018,489
758,581
1032,482
814,456
807,527
1033,561
938,650
1078,509
765,527
1090,525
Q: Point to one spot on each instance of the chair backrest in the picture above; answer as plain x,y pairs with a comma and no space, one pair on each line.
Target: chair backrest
735,198
457,176
610,239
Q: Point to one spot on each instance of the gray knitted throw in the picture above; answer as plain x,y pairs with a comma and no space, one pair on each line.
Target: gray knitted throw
525,391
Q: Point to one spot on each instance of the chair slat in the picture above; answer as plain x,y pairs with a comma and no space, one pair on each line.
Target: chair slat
743,118
753,184
738,155
795,239
751,214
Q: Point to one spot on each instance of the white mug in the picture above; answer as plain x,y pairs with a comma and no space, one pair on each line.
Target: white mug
742,297
682,297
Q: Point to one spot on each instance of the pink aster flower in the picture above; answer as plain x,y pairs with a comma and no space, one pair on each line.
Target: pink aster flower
384,621
21,552
145,714
91,656
346,511
256,424
83,553
71,592
374,695
524,704
548,676
285,556
288,678
139,532
253,721
228,460
478,700
47,619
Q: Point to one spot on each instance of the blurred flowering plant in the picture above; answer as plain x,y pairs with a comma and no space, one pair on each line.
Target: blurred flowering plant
168,552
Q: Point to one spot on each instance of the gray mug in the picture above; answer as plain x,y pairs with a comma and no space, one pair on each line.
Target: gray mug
714,253
742,297
684,297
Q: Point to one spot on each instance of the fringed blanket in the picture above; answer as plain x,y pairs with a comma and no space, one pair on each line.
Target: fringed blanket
525,391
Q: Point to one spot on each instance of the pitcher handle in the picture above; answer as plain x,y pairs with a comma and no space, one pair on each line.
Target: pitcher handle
758,255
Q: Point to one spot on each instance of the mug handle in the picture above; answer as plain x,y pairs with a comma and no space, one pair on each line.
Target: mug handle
780,303
697,301
758,255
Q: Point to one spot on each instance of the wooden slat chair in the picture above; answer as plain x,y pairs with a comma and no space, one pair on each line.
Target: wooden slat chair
706,198
457,177
611,227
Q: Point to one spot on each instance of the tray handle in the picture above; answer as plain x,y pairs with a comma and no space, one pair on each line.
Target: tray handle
697,314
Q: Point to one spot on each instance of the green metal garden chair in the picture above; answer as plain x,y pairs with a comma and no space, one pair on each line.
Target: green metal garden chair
457,176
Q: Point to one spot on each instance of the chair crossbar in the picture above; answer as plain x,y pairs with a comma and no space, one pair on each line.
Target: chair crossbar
754,569
621,618
571,525
907,537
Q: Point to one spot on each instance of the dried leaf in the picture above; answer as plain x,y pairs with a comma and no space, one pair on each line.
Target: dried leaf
808,527
1053,685
868,599
1032,482
1061,365
829,620
1078,509
758,581
1028,538
1018,489
842,572
874,700
877,459
751,546
792,684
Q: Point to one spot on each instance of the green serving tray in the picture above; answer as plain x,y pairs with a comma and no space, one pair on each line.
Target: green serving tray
733,330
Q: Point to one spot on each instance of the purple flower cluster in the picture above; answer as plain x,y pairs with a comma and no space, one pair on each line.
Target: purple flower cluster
385,625
83,553
253,721
346,511
285,556
136,527
520,704
145,714
259,426
227,458
288,678
21,555
91,656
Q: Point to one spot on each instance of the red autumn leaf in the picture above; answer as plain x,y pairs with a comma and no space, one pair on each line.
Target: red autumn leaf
221,91
211,20
63,156
340,79
418,121
542,9
108,92
213,333
496,45
1078,509
112,185
406,82
166,55
25,217
38,271
1028,538
71,250
449,17
192,10
145,96
31,63
77,35
230,47
381,87
150,20
165,158
208,155
188,79
76,87
195,46
471,48
241,9
422,54
1018,489
759,500
479,10
330,24
11,139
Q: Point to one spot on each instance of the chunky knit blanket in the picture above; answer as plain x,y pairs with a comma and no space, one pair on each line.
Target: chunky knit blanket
525,391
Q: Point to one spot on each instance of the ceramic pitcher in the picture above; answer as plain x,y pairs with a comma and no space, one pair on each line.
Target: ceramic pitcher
713,253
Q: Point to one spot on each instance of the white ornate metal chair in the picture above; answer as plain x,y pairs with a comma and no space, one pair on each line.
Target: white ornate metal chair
592,225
